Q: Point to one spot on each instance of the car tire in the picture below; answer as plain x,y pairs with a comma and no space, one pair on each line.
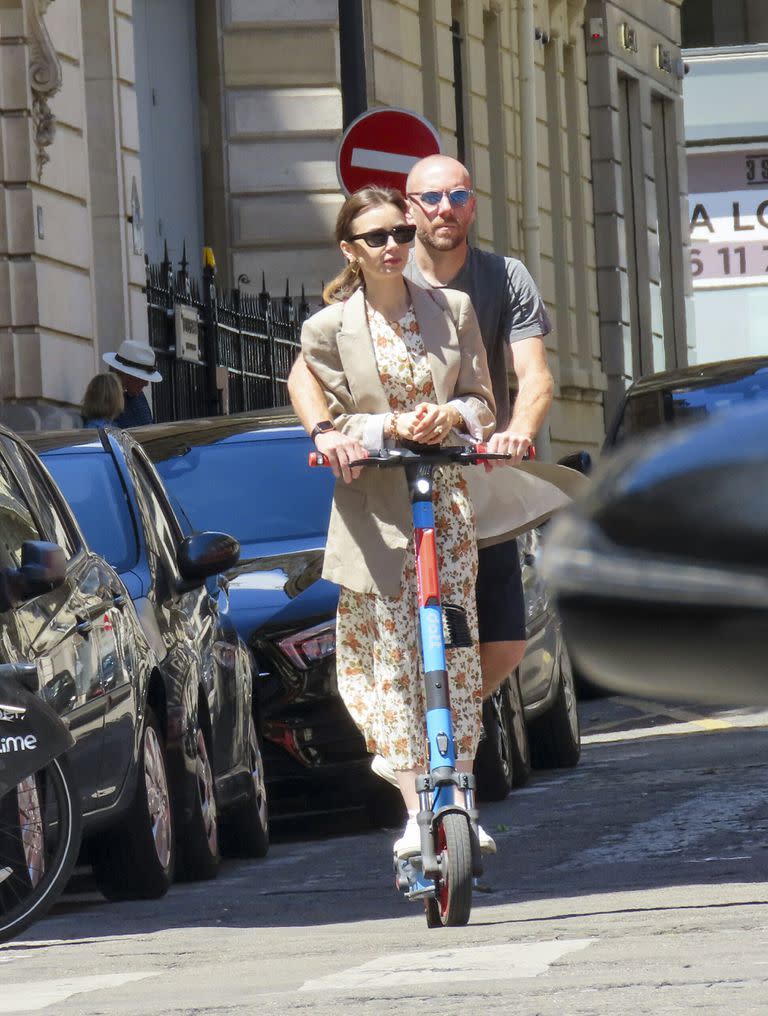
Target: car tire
198,839
136,860
555,737
245,828
521,748
503,757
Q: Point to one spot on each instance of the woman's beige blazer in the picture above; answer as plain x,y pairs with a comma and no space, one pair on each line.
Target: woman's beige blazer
371,517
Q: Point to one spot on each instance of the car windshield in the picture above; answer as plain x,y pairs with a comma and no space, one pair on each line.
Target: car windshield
259,491
92,487
647,410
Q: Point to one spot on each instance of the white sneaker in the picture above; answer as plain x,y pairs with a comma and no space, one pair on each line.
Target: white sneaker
383,768
410,842
487,844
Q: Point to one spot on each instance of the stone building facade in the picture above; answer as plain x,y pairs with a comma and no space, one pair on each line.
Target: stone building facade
218,122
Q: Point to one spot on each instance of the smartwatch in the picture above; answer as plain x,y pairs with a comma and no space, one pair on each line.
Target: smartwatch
320,428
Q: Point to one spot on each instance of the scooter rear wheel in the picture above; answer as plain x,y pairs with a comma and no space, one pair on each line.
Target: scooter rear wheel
453,904
39,842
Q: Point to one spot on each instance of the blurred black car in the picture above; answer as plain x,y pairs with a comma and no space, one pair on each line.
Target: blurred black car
96,669
675,398
248,475
202,698
661,572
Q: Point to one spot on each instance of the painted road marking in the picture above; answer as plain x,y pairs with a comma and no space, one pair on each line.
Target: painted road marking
389,162
482,963
39,994
684,721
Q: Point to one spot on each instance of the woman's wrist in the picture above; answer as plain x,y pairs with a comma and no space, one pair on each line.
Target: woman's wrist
392,432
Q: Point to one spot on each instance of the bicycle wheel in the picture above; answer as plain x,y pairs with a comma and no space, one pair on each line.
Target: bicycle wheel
39,842
453,903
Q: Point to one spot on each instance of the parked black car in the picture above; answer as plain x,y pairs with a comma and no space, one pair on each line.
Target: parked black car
96,670
203,700
248,474
673,398
661,572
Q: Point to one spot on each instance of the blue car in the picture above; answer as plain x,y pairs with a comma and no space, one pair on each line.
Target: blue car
248,475
216,774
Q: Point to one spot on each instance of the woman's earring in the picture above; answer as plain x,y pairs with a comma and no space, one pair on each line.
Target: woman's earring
354,264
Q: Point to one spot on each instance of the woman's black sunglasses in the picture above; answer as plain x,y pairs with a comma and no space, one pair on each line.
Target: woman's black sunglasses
379,237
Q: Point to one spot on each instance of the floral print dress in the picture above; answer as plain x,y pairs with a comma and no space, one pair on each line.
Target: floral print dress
379,668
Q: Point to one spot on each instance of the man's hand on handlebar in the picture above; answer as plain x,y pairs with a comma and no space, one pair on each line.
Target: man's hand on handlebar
340,450
518,446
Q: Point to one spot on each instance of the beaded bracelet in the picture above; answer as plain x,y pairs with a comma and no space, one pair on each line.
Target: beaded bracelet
392,426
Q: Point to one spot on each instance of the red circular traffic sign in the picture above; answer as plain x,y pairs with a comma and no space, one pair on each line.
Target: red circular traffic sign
381,145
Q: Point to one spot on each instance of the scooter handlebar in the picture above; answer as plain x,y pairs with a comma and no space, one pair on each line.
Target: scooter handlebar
466,454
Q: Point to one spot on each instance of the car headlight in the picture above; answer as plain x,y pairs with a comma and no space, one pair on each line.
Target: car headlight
308,647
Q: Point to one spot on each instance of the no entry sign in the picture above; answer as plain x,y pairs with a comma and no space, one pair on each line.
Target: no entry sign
381,145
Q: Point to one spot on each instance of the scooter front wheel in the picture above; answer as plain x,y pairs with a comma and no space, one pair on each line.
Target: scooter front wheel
453,903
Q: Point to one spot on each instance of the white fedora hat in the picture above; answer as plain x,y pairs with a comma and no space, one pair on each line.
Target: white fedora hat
136,359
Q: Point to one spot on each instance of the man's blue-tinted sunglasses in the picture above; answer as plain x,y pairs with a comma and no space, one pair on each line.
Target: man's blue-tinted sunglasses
460,196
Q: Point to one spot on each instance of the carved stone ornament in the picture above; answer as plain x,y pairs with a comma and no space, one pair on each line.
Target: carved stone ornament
45,78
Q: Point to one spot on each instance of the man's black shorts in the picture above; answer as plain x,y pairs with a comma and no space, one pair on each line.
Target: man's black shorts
500,602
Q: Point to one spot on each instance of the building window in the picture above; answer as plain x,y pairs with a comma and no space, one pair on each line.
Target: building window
578,215
707,23
429,82
558,175
496,134
457,35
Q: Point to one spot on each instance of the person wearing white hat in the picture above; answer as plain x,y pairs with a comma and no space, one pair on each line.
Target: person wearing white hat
134,364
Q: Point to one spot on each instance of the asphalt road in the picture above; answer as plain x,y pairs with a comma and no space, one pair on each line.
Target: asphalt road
633,884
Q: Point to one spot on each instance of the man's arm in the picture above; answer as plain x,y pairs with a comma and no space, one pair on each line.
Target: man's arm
311,407
535,387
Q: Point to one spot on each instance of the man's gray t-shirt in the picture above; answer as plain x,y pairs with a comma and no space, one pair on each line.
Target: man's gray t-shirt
508,305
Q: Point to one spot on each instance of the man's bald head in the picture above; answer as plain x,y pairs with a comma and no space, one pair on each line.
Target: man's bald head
443,226
437,172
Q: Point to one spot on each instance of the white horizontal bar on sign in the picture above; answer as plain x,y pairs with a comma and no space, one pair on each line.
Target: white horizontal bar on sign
389,162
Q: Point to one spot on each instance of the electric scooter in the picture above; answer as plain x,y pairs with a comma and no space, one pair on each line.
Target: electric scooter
443,874
40,808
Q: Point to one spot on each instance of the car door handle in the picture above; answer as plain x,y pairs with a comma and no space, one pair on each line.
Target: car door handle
84,625
119,600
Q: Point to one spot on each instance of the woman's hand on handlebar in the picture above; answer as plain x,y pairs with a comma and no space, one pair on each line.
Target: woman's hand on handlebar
428,424
340,450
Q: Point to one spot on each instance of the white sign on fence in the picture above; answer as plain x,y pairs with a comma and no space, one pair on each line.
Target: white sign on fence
187,333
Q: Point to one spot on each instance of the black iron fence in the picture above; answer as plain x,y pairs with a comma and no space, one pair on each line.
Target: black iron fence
218,351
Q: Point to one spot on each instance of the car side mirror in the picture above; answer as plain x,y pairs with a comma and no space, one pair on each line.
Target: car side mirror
43,568
660,573
204,554
580,461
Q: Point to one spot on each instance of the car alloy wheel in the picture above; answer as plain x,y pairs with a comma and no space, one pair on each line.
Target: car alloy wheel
158,800
257,775
205,789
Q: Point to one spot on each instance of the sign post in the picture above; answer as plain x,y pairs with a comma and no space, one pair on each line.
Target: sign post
381,146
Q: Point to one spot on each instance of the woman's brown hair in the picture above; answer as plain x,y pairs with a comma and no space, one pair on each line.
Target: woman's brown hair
348,279
103,399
